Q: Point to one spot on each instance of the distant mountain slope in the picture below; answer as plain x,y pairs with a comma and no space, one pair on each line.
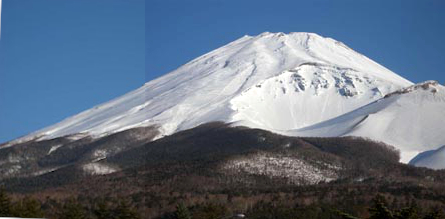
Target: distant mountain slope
434,159
411,119
273,81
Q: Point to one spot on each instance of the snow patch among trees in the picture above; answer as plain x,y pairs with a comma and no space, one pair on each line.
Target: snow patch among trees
54,148
98,169
296,170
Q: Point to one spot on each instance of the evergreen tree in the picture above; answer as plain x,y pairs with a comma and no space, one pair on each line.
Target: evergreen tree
182,212
125,211
28,208
379,209
344,215
210,211
434,214
72,210
103,211
5,203
407,213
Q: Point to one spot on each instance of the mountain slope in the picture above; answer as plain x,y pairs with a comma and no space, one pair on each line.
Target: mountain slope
273,81
410,119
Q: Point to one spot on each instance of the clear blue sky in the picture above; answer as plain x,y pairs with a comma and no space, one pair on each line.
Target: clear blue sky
59,57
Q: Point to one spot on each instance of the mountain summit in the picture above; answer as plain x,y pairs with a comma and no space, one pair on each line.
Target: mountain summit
273,81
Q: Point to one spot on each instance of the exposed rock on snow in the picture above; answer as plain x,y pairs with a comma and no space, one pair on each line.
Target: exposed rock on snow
427,85
306,95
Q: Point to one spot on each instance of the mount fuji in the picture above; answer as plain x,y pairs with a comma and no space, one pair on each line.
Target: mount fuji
297,84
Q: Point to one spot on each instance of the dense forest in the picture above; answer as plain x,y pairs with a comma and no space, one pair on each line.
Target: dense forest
379,207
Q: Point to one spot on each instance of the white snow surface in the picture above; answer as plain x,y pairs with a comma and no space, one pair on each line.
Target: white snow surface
273,81
434,159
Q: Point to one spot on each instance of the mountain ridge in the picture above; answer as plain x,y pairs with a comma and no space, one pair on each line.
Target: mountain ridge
409,119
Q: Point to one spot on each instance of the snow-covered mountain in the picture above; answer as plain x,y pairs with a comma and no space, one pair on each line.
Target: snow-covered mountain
272,81
292,83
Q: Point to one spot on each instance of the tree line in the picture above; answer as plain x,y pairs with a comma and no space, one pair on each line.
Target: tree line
71,208
377,209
